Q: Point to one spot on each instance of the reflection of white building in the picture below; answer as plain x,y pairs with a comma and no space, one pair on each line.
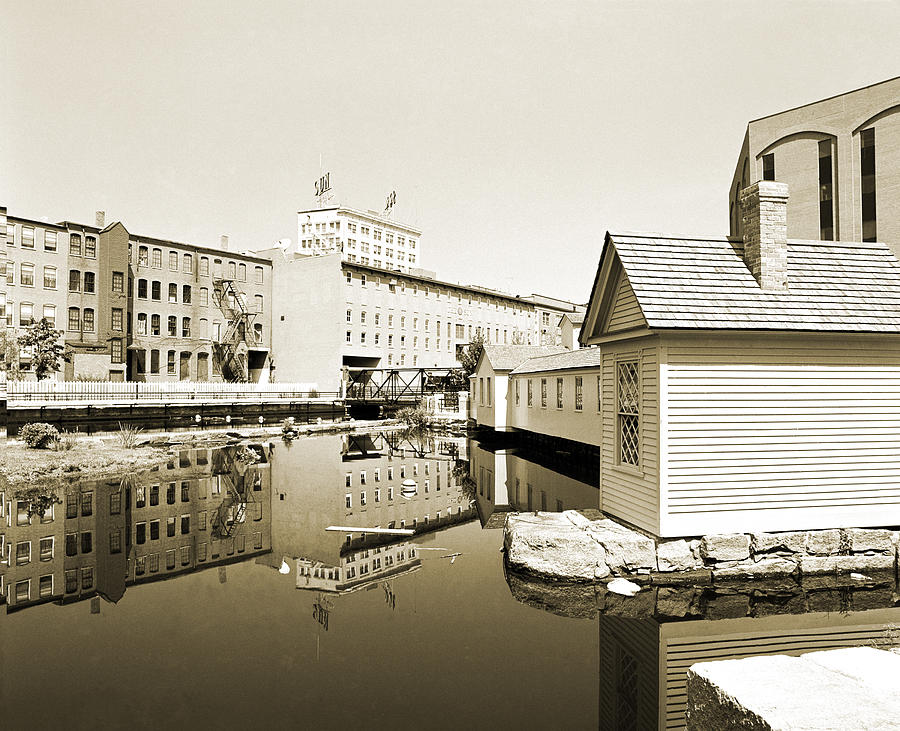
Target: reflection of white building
359,569
643,664
355,482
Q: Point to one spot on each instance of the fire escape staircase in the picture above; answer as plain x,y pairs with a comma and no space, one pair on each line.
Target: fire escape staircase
232,510
231,348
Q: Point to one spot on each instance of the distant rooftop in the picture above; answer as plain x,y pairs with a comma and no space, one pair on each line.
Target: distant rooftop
568,359
507,357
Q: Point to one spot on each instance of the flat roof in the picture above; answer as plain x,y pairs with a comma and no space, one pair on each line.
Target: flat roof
375,217
827,98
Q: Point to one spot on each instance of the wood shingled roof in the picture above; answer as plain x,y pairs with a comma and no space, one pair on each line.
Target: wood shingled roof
705,284
507,357
581,358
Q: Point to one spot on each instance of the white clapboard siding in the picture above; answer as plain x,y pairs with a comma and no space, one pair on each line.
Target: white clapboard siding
792,433
625,313
628,494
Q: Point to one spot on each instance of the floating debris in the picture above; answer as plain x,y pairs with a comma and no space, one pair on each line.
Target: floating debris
623,587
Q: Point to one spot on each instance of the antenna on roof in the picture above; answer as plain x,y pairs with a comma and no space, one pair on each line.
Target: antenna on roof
324,194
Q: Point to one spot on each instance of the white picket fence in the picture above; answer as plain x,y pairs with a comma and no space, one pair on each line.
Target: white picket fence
161,391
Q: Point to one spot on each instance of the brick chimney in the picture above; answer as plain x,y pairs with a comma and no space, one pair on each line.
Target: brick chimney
100,219
223,242
764,213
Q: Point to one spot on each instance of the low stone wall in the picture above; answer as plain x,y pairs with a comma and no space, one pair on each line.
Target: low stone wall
585,546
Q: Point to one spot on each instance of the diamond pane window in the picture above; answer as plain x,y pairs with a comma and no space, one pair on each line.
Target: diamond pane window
628,407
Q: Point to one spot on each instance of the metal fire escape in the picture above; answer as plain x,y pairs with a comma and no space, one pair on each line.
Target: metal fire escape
233,509
232,345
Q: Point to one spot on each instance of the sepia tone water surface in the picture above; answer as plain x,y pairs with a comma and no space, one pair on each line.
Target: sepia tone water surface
208,594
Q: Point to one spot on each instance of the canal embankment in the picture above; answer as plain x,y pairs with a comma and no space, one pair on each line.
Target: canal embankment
587,546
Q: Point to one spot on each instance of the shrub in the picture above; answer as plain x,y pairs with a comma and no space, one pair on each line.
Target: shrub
39,435
128,435
65,442
415,417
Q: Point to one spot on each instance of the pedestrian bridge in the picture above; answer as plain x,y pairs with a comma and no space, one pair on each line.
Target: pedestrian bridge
395,385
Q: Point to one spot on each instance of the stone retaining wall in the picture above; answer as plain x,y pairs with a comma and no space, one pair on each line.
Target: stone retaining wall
585,546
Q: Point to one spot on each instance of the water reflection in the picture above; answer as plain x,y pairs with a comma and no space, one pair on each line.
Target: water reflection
510,480
648,642
360,484
204,508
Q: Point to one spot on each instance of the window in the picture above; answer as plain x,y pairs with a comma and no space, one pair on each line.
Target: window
579,393
826,202
362,280
173,293
185,327
74,244
172,326
362,498
90,280
258,275
156,291
867,183
258,302
348,500
204,297
26,314
142,323
769,166
115,350
117,319
628,410
187,263
186,294
87,578
185,524
26,276
349,277
154,361
47,549
50,239
170,494
142,289
87,542
49,277
87,503
349,315
530,393
170,559
559,393
143,256
140,533
242,272
349,337
118,282
23,553
157,259
517,392
115,503
27,237
204,266
543,393
173,261
90,247
154,324
154,563
74,320
154,529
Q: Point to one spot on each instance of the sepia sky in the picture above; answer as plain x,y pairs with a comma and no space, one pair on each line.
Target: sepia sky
514,133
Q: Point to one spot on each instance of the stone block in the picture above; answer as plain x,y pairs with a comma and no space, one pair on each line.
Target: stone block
823,542
676,601
548,544
853,688
626,550
769,566
639,606
676,556
860,540
727,606
698,577
845,564
725,547
828,600
793,541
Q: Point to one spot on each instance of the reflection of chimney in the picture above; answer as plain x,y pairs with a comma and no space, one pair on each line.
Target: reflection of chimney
100,219
764,211
223,242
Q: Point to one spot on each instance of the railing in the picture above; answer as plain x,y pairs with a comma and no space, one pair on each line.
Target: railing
163,391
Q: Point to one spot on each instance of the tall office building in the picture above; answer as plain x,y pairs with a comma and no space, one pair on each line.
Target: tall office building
841,160
361,237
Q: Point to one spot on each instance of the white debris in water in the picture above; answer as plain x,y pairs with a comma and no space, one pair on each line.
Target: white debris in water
860,577
623,587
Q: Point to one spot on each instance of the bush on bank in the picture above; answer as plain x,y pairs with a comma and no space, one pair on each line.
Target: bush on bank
39,435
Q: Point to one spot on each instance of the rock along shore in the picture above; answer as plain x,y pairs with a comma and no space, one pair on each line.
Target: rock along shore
585,546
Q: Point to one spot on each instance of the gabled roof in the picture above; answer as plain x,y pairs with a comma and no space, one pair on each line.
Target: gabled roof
507,357
576,318
690,283
581,358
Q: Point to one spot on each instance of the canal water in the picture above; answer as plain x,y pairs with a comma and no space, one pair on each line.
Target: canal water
209,593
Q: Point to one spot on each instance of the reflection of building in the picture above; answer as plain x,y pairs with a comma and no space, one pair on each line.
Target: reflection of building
643,664
203,508
358,569
355,482
505,482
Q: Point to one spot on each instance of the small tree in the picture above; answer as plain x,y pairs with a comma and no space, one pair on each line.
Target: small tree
47,351
9,354
468,359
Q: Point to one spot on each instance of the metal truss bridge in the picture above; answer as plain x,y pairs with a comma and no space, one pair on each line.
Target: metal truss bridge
395,385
